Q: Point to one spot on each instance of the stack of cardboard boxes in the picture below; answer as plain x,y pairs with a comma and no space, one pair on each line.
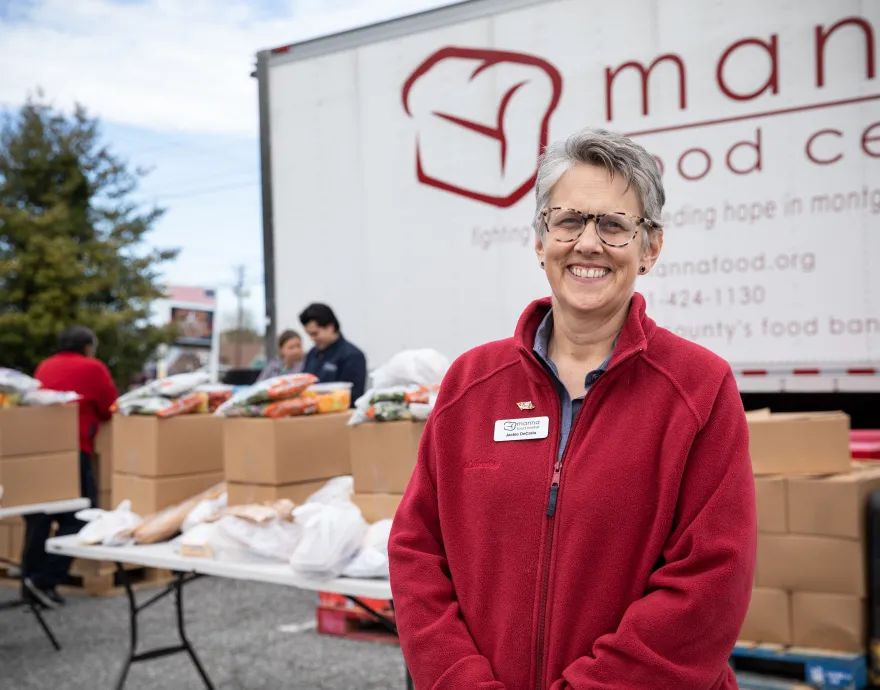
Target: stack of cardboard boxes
383,456
810,581
292,457
157,463
39,462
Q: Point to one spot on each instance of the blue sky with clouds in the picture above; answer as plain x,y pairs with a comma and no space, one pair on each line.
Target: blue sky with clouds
171,83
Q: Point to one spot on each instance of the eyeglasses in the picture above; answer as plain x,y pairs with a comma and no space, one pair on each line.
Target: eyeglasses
614,229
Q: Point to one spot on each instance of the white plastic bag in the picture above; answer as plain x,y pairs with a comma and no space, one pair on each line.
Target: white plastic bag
275,540
12,381
419,367
43,397
337,489
203,511
331,536
372,559
105,526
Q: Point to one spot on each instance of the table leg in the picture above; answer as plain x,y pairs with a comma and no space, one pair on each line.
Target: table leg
44,625
391,626
181,631
35,609
134,609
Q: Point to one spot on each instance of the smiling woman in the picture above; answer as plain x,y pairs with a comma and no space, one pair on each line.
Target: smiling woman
638,466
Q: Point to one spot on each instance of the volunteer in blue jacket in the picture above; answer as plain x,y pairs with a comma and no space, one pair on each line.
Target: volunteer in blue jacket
333,358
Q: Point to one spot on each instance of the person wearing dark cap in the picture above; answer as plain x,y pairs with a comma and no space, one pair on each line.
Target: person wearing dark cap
75,369
333,358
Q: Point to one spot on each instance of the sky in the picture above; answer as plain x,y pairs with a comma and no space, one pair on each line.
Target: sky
170,82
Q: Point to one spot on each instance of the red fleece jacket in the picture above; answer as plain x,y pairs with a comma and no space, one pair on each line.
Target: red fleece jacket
68,371
642,576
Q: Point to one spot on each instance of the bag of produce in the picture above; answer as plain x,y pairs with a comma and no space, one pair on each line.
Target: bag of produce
269,390
218,393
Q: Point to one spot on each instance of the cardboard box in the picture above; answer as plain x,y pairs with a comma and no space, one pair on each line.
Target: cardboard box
104,457
39,430
832,506
799,443
105,499
152,447
384,455
768,620
811,564
292,450
377,507
149,495
39,478
829,621
245,494
772,501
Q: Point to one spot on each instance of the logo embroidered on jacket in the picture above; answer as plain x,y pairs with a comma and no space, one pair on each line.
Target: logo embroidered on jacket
527,405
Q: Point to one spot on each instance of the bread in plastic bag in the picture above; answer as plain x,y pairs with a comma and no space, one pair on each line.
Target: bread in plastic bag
196,542
12,381
167,523
331,536
107,527
204,511
372,559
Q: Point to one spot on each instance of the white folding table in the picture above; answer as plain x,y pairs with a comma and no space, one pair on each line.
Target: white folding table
52,508
187,569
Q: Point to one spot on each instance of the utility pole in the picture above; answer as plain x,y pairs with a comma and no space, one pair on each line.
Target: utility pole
240,292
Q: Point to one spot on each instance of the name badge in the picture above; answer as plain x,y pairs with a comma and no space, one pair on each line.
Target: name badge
528,429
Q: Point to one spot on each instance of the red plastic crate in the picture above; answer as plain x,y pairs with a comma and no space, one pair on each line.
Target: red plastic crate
352,624
864,444
340,601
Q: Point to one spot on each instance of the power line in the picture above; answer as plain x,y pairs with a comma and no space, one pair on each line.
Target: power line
195,184
206,190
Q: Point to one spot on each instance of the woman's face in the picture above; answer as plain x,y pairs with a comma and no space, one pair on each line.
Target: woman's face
587,275
292,351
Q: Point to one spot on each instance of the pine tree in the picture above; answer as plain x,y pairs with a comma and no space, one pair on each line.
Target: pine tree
72,243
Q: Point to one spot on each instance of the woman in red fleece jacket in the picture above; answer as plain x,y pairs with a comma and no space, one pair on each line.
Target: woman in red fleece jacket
582,514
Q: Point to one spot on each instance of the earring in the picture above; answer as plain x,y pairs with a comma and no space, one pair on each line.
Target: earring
542,264
643,270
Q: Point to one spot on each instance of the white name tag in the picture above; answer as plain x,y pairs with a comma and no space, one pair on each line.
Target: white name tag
528,429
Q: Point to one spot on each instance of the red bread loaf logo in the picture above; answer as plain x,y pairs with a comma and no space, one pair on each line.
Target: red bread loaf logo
482,118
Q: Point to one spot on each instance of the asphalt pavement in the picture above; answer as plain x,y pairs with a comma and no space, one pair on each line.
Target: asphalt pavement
249,636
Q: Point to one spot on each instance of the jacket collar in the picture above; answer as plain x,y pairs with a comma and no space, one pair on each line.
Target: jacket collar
634,336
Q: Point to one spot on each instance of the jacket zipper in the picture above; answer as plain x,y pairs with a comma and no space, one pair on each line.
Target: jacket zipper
548,545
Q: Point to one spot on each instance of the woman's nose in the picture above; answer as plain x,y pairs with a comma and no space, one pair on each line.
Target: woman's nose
589,242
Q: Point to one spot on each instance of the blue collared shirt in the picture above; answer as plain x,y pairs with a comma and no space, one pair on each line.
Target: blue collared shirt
569,407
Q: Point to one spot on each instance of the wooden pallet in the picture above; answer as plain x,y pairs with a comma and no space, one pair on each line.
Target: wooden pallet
97,578
353,624
767,667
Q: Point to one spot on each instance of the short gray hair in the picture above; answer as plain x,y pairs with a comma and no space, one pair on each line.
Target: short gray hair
618,154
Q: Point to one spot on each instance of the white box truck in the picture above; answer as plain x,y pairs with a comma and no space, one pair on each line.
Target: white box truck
399,160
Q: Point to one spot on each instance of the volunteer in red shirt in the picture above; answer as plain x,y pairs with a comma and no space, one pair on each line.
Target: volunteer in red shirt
75,369
582,514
